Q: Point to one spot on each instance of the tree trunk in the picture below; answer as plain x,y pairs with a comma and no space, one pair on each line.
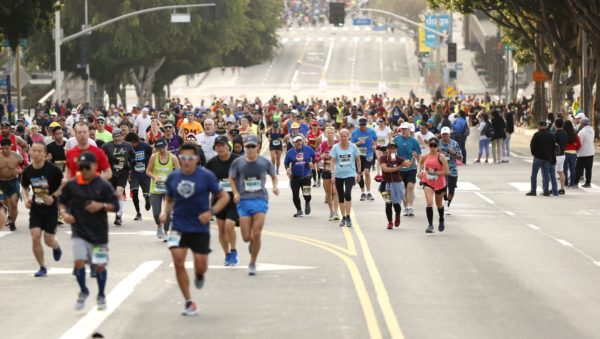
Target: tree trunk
111,89
143,81
123,94
159,97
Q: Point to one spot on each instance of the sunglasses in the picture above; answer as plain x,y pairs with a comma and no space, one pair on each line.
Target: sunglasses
250,146
433,145
187,157
85,167
168,127
100,122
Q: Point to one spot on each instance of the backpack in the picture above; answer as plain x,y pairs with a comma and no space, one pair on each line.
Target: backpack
488,130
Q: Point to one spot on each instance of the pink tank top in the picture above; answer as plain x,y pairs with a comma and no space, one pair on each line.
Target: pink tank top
432,163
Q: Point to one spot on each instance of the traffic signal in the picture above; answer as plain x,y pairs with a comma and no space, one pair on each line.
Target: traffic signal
452,74
451,52
337,13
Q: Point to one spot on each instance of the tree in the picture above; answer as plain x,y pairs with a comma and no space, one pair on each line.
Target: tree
19,19
411,9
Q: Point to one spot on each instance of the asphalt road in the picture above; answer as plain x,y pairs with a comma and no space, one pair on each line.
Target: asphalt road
507,266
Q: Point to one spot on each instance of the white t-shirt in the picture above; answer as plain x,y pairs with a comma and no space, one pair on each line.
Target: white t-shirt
423,139
383,135
142,124
231,118
71,120
72,141
207,142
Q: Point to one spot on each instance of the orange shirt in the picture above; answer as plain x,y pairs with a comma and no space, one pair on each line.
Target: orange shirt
191,127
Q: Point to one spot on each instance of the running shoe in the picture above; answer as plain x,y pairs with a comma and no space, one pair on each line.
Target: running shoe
118,221
93,272
147,206
138,216
397,221
160,232
227,259
307,208
59,222
411,212
531,194
363,197
430,229
405,213
447,210
41,273
12,227
390,225
233,259
370,197
190,309
80,303
57,253
561,191
348,221
252,269
343,222
586,186
441,227
298,214
101,302
336,217
199,281
314,185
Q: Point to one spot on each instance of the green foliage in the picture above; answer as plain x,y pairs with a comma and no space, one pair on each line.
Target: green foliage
20,19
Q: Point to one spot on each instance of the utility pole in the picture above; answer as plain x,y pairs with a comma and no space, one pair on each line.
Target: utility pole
585,64
18,78
87,62
57,41
510,75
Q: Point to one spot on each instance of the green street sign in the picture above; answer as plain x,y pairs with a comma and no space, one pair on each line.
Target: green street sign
22,42
508,47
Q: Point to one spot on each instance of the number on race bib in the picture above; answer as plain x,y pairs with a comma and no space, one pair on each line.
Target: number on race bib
99,255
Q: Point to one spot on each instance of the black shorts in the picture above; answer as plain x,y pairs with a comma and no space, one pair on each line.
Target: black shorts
451,183
119,179
409,177
438,192
199,243
326,175
139,179
229,212
364,163
47,220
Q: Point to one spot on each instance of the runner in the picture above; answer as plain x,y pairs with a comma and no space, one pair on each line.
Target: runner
10,162
433,168
138,176
365,138
82,144
206,139
452,151
384,137
275,135
299,163
121,157
247,176
228,217
56,149
392,186
345,165
330,192
312,137
83,203
188,191
406,145
161,164
45,180
173,140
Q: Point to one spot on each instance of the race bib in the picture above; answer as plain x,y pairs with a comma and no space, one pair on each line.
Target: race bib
40,189
119,164
252,184
173,239
276,142
140,165
345,159
160,186
362,150
432,176
305,190
380,141
99,255
386,197
60,164
225,185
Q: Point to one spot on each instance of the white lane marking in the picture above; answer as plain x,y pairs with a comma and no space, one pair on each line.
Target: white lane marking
486,199
145,233
564,242
259,267
597,263
356,28
515,155
327,61
344,38
51,271
356,39
391,39
5,233
402,40
294,85
296,39
533,227
284,40
512,214
466,186
320,38
94,318
367,39
523,186
379,39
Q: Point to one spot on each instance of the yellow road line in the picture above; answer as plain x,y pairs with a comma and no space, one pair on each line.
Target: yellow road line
382,296
349,241
359,286
299,237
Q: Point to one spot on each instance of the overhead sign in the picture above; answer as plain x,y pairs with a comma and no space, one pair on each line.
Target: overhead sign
362,22
440,23
422,47
458,66
22,42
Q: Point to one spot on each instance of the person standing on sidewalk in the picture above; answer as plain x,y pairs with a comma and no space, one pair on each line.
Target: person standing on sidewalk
498,139
542,149
560,138
585,155
573,145
460,132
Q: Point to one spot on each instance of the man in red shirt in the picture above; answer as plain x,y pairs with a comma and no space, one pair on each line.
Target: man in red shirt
82,135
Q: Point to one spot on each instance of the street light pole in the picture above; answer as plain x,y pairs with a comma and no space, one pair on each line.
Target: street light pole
57,38
87,62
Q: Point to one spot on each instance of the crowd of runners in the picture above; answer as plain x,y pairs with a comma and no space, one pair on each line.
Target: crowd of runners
194,164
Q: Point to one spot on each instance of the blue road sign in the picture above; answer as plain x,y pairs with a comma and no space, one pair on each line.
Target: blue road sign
3,82
431,21
362,22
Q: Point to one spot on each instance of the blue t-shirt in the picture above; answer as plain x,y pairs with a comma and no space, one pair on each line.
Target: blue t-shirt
369,136
345,160
458,125
445,148
406,146
191,194
300,161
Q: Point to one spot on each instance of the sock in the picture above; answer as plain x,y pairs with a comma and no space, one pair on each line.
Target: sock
101,277
441,214
397,209
120,212
136,201
188,303
388,212
80,275
233,250
429,211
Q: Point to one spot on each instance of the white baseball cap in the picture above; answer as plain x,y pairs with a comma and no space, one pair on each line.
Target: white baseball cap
579,116
405,125
296,138
445,130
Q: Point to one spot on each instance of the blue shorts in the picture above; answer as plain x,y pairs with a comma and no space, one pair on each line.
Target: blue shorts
9,188
250,207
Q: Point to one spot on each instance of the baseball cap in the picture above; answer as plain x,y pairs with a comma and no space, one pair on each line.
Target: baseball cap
296,138
160,143
86,158
222,140
295,125
116,132
433,141
314,123
168,124
5,122
362,121
585,121
445,130
100,117
145,109
579,116
404,125
54,124
251,140
234,132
